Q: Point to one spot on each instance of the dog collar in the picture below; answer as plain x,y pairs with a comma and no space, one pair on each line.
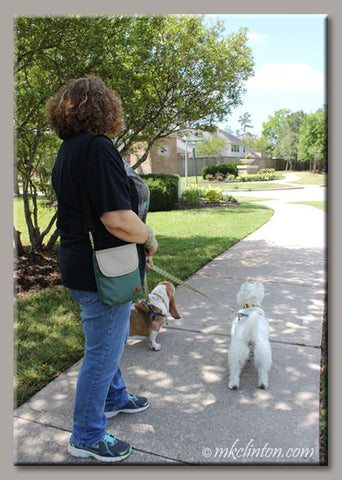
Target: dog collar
154,314
247,305
251,305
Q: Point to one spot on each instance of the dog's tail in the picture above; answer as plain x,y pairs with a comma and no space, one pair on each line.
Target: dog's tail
251,326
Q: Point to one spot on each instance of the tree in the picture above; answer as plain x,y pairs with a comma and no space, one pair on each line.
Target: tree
288,138
272,128
257,144
245,121
211,146
172,73
41,66
261,144
313,141
192,78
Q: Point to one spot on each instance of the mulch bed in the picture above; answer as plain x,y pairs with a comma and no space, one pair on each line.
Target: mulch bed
34,272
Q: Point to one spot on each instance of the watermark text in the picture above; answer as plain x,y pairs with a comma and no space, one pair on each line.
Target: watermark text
249,451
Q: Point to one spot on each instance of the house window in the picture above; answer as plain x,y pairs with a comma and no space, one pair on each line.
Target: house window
163,150
235,148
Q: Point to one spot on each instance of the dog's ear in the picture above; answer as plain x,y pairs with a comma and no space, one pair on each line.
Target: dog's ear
141,308
157,309
170,290
172,307
144,308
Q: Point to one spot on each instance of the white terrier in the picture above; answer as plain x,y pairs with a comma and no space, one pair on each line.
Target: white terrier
250,329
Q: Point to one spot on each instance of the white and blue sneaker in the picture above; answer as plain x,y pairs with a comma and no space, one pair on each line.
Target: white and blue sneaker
109,449
134,405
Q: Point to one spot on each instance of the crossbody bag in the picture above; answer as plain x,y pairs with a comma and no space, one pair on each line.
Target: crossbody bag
116,269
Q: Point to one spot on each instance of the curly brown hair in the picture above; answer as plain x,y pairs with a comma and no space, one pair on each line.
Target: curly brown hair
85,104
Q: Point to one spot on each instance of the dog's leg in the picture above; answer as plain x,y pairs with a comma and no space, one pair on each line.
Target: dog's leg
263,361
152,341
238,354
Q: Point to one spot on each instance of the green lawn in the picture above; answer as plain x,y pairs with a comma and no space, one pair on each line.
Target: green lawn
45,213
231,185
194,237
48,333
317,204
308,178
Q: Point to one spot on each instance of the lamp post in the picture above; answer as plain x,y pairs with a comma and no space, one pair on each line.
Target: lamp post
186,161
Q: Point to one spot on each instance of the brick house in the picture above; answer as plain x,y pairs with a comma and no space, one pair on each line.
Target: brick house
167,155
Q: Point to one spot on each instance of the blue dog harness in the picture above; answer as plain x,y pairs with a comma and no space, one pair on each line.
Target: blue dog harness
154,314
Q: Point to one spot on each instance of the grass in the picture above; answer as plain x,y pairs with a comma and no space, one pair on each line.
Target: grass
48,333
48,339
308,178
256,185
317,204
232,185
255,199
191,238
45,213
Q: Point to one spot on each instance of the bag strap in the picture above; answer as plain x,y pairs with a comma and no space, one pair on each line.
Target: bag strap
88,215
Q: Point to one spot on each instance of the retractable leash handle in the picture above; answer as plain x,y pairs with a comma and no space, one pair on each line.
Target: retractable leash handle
178,281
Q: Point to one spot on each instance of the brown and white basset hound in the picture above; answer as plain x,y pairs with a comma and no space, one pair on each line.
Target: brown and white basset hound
147,318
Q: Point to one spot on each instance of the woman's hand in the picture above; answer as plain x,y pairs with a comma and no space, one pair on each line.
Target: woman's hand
149,262
149,253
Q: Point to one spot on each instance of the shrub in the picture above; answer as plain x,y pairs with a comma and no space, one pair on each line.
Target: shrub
214,195
193,194
227,168
258,177
220,177
209,177
229,198
208,170
223,169
163,190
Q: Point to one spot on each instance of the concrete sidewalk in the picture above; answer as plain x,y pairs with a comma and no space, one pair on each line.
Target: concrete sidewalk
194,418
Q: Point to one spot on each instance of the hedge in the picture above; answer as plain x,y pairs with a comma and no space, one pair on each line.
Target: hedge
163,190
221,168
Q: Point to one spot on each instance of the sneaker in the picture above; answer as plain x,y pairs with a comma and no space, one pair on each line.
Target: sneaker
134,405
109,449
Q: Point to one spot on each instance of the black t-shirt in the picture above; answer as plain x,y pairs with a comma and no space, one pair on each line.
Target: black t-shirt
110,189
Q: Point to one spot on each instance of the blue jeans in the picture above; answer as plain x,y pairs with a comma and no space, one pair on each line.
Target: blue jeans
100,386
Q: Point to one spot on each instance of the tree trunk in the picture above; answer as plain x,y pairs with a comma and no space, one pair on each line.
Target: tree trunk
17,243
53,239
34,233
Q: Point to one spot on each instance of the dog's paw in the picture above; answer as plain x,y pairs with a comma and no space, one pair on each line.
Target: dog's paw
155,346
233,386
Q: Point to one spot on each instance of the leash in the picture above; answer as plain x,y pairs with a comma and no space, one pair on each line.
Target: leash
146,294
178,281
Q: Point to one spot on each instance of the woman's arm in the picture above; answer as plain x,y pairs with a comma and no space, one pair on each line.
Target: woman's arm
126,225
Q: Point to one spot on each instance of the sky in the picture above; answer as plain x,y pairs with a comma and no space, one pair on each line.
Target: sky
290,64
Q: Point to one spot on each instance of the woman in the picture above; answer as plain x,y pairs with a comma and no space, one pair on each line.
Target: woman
83,108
